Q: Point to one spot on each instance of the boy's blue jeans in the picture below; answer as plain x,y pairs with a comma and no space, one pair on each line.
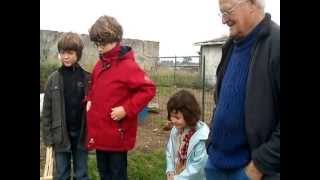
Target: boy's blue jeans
80,163
112,165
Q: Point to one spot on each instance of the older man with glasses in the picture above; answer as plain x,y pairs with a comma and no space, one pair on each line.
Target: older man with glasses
244,142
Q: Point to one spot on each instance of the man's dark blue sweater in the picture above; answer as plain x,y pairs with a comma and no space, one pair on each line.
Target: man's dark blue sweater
229,148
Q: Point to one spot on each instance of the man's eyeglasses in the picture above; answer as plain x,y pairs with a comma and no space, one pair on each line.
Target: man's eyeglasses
230,11
99,44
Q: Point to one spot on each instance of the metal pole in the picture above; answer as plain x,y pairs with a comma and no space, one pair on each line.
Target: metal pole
203,84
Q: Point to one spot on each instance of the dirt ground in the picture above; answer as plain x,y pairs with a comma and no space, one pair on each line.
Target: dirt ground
151,136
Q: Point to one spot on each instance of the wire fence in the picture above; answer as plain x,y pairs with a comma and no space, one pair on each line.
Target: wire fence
172,74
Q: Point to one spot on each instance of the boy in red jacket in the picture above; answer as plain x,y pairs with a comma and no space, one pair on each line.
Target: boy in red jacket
119,91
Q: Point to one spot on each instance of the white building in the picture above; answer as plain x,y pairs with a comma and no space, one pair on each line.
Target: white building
210,52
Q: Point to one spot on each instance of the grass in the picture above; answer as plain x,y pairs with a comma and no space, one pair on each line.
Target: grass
180,78
92,167
141,166
146,166
165,91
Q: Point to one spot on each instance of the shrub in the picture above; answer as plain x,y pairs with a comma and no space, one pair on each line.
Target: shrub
46,68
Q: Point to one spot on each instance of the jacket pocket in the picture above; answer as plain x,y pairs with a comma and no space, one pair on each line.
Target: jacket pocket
56,130
55,89
116,129
56,96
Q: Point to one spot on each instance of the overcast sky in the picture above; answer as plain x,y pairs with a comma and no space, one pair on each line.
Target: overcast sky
176,24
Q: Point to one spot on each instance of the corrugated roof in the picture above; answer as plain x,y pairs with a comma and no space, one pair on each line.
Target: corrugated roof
217,41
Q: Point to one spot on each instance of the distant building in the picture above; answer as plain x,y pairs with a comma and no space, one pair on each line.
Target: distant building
210,51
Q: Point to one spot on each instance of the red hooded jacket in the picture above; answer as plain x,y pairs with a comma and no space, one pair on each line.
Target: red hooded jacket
117,80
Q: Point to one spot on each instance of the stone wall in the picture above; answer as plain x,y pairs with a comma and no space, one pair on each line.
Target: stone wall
144,50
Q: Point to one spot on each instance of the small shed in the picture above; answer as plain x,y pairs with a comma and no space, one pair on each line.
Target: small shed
210,51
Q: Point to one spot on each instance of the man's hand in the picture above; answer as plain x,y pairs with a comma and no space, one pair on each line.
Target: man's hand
252,172
118,113
88,106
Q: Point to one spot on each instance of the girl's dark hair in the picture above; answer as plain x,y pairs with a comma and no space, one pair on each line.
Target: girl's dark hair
71,41
186,103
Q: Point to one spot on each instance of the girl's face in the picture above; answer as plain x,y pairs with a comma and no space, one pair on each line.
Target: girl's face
177,119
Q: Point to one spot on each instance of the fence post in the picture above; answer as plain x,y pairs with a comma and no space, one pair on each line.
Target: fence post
174,71
203,85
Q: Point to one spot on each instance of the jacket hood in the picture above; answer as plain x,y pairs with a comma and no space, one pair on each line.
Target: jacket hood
119,52
202,131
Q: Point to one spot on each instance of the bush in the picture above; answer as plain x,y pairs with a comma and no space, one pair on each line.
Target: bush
46,69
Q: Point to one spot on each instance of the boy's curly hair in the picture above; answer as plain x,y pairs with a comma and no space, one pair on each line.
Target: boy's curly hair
106,30
186,103
70,41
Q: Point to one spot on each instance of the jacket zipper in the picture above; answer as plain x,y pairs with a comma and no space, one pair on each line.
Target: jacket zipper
83,117
63,118
253,58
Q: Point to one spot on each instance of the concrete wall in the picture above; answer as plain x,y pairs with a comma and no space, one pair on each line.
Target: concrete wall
144,50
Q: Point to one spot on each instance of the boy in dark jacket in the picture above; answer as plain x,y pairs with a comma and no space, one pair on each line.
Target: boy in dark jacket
64,110
120,89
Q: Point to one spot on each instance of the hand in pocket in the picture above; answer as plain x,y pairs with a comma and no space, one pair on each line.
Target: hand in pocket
252,172
118,113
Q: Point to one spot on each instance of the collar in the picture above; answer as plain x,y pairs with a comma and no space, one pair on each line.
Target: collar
112,55
73,68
